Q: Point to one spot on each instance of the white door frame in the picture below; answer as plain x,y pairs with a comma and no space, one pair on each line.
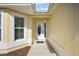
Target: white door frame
42,35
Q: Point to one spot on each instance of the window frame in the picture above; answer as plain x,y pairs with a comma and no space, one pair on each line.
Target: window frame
2,27
19,15
18,42
2,43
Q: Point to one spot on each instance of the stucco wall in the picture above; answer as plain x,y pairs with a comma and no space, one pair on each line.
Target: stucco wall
29,31
76,14
6,26
62,27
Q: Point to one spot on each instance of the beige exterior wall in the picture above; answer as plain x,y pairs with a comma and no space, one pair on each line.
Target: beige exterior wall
6,26
76,14
29,27
62,27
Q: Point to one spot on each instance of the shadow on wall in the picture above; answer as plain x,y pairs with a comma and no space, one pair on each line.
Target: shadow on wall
51,49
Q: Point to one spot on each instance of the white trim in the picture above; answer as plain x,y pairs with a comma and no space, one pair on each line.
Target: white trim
59,50
2,45
14,43
2,24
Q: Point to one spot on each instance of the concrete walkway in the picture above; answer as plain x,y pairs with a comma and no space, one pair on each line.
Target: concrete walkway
40,49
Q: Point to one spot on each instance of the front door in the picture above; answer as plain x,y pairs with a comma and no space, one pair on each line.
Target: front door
41,31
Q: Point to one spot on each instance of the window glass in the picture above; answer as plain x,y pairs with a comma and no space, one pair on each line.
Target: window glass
16,33
0,20
16,21
0,27
19,21
41,7
19,27
44,29
39,29
0,34
21,33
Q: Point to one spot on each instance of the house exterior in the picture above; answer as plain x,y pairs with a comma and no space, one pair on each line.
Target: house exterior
21,26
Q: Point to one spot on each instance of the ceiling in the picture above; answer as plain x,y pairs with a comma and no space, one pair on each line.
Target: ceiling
24,8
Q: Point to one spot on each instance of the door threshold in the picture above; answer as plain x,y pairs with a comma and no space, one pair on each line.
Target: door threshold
40,41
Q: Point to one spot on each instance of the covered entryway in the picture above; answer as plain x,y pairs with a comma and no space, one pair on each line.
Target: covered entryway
39,35
39,29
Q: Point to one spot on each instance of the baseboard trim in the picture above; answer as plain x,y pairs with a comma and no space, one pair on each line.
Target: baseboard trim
58,49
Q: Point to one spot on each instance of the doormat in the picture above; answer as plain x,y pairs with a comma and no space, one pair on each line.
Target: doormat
40,42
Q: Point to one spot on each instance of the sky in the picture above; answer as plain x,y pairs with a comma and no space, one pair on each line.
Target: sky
41,6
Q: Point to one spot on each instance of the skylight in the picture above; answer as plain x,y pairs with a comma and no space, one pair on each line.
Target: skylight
41,7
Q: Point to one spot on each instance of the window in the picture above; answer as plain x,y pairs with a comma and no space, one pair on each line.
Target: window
44,29
0,27
41,7
39,29
19,27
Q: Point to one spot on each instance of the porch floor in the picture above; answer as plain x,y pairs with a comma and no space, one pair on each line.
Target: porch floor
40,49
